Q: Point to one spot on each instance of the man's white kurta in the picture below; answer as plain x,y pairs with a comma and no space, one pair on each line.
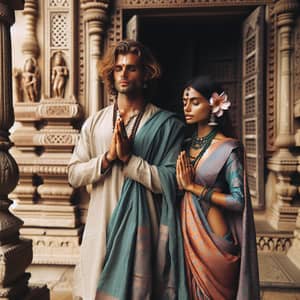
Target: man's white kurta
84,169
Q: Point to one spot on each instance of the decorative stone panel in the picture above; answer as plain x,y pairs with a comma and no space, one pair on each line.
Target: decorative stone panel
60,37
185,3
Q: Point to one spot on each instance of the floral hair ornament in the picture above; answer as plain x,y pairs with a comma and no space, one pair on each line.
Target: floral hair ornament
219,103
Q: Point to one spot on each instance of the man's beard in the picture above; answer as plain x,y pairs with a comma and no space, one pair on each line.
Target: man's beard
128,90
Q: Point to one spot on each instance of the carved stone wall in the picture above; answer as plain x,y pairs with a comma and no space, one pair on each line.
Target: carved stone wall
296,72
15,253
46,132
279,242
293,253
59,22
283,212
271,79
45,136
133,4
47,205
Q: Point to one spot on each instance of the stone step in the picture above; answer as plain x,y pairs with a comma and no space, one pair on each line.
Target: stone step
279,277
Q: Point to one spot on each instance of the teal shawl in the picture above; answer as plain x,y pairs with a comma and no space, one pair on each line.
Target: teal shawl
137,267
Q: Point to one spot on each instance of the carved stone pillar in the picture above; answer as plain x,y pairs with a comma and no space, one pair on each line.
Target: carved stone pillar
45,141
15,253
283,163
294,251
25,106
30,45
95,17
30,84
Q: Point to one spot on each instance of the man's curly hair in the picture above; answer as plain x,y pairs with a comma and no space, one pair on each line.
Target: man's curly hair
149,64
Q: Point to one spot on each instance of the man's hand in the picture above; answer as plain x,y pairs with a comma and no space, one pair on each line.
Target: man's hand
123,144
110,155
112,152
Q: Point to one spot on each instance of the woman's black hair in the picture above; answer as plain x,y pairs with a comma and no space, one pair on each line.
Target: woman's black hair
206,86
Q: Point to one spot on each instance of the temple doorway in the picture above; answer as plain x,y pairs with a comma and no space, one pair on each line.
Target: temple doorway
226,45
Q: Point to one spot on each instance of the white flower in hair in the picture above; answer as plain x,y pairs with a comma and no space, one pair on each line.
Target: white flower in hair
219,103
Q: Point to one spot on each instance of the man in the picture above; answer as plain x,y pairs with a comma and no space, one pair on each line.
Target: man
131,246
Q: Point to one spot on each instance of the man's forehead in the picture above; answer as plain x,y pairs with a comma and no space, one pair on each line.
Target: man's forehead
127,59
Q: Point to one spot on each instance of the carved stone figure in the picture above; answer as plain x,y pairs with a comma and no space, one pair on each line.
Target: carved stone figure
30,79
59,75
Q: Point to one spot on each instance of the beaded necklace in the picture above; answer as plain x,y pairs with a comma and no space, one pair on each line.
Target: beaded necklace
199,142
136,123
207,141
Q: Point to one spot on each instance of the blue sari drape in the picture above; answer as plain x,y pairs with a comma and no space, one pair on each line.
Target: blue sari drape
137,267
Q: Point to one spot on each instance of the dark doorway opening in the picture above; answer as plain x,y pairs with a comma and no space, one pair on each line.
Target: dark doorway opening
190,46
226,43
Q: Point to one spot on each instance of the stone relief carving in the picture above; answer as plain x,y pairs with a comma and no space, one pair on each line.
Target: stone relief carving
57,110
297,61
54,108
181,3
59,35
59,3
30,80
57,139
27,82
271,81
115,28
59,75
273,244
81,65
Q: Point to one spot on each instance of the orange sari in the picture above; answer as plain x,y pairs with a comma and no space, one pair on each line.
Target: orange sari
212,262
211,271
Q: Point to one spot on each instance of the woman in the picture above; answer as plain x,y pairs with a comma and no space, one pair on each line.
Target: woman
216,214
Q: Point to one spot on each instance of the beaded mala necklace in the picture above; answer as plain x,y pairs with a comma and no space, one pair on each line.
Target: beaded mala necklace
199,142
136,123
204,142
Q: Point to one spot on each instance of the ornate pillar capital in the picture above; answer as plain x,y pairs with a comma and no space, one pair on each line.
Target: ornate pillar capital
95,13
95,16
286,10
286,6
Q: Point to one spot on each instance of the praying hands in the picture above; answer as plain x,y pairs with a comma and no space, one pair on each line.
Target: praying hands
120,147
184,172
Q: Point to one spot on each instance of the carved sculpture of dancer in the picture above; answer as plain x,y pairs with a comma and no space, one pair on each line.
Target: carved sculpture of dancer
30,79
59,75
